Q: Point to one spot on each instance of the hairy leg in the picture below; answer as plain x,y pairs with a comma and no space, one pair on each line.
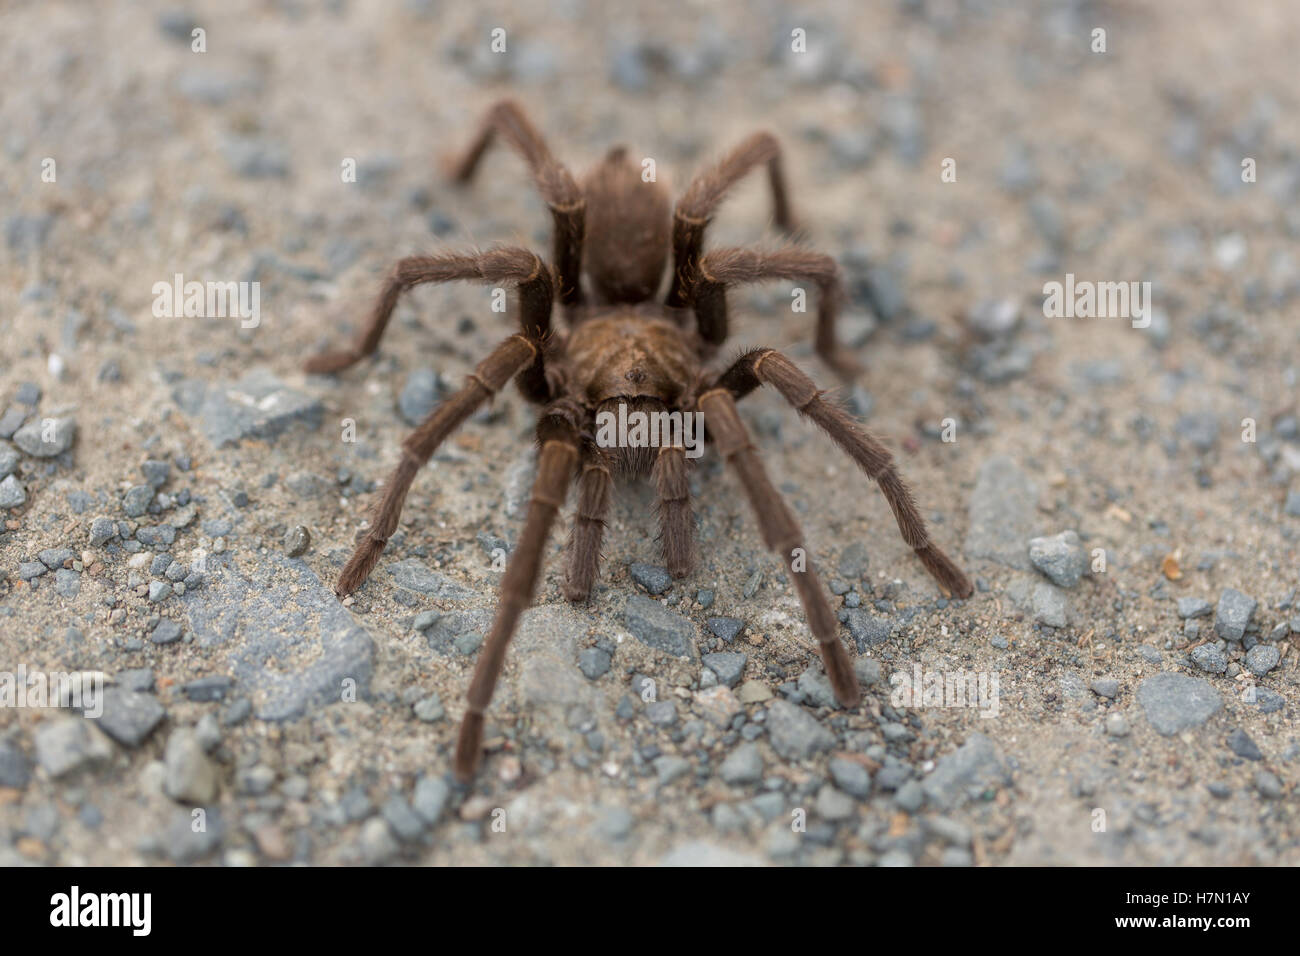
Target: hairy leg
767,366
696,207
595,488
728,267
558,435
676,522
510,357
782,534
512,265
556,184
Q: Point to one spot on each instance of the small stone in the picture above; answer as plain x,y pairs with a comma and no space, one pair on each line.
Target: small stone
1189,607
910,797
851,777
868,630
662,713
67,583
402,820
1060,557
419,395
834,804
8,459
1106,687
655,580
594,662
1262,658
1233,614
1116,725
377,843
1209,659
15,770
102,530
191,776
45,438
728,666
65,745
744,765
658,627
156,472
12,493
296,541
429,709
1239,742
135,502
167,632
430,798
159,591
1175,702
1268,785
796,734
129,716
670,767
726,629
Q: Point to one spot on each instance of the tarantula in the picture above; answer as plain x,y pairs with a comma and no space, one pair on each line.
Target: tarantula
621,347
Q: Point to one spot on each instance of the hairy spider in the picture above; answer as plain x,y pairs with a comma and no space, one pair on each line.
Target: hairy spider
622,348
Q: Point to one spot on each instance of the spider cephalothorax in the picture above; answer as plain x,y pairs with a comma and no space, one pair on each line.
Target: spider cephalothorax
622,353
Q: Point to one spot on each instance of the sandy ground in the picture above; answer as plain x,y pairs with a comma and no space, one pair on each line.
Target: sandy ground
225,165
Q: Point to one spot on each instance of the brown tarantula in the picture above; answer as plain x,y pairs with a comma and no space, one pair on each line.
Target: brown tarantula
621,347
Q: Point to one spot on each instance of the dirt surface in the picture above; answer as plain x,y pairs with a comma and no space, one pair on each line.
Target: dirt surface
322,731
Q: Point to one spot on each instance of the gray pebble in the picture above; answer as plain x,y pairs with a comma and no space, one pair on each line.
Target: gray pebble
725,628
45,438
12,493
653,579
1262,658
729,666
1060,557
1175,702
1239,742
137,500
430,798
796,734
1209,659
744,765
658,627
1233,614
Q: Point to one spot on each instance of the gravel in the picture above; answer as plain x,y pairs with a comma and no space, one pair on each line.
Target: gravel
1233,614
1174,702
658,627
1060,557
795,734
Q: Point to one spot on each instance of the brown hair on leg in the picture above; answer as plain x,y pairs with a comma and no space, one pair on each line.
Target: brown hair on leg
676,521
557,433
726,267
702,197
594,494
554,182
782,534
771,367
491,375
510,264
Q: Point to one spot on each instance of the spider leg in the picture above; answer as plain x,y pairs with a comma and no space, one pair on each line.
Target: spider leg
509,264
769,367
560,440
782,534
512,356
594,493
556,184
725,267
700,201
676,523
